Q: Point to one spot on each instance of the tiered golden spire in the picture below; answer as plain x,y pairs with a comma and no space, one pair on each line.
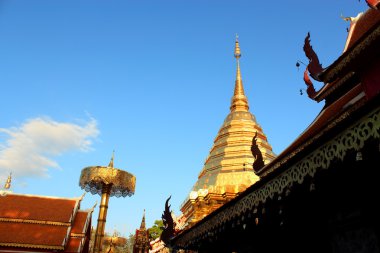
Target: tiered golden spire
7,185
239,101
228,169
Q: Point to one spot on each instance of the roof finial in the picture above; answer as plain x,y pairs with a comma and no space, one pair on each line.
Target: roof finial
81,197
142,226
111,162
93,207
7,185
239,101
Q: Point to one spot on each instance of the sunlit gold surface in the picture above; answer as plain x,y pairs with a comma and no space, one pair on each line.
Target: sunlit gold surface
7,185
36,246
93,178
228,170
107,182
103,208
116,241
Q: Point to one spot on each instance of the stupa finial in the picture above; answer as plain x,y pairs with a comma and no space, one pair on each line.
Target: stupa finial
112,158
7,185
239,101
237,53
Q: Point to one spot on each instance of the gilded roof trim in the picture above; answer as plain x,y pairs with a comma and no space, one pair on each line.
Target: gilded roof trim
36,246
55,223
77,235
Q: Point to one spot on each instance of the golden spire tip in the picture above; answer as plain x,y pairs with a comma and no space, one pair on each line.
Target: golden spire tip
8,183
112,158
239,101
237,53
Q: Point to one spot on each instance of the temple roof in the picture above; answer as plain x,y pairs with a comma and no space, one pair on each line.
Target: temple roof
81,222
22,234
39,208
360,25
43,223
357,39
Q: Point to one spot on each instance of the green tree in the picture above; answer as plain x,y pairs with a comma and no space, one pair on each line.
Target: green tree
156,230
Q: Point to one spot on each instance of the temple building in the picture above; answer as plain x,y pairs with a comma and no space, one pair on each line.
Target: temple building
141,238
30,223
320,194
229,168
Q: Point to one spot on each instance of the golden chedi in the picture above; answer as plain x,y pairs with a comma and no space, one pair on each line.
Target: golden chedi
228,169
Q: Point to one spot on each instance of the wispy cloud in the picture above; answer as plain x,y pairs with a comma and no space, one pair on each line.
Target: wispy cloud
29,150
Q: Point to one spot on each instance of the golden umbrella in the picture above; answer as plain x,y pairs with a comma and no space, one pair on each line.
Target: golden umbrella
106,181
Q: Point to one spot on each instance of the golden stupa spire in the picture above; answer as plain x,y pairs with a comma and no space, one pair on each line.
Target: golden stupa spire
239,101
111,162
7,185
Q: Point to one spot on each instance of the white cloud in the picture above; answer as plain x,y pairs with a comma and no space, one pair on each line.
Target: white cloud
30,149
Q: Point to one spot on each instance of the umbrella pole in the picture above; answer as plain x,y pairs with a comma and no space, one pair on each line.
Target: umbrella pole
100,228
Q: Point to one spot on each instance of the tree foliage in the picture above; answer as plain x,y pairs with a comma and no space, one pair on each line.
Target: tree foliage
156,230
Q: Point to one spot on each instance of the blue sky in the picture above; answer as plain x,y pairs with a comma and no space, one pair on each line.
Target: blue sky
151,80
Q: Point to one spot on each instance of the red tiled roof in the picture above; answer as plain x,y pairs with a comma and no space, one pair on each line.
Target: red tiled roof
80,222
17,233
74,244
42,223
28,207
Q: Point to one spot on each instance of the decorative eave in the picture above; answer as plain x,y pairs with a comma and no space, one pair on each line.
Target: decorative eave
363,37
331,88
294,168
344,64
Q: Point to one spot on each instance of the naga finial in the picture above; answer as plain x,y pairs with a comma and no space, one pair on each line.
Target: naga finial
314,67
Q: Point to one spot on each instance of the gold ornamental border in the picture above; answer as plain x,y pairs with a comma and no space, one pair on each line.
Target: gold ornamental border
36,246
55,223
77,235
353,137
